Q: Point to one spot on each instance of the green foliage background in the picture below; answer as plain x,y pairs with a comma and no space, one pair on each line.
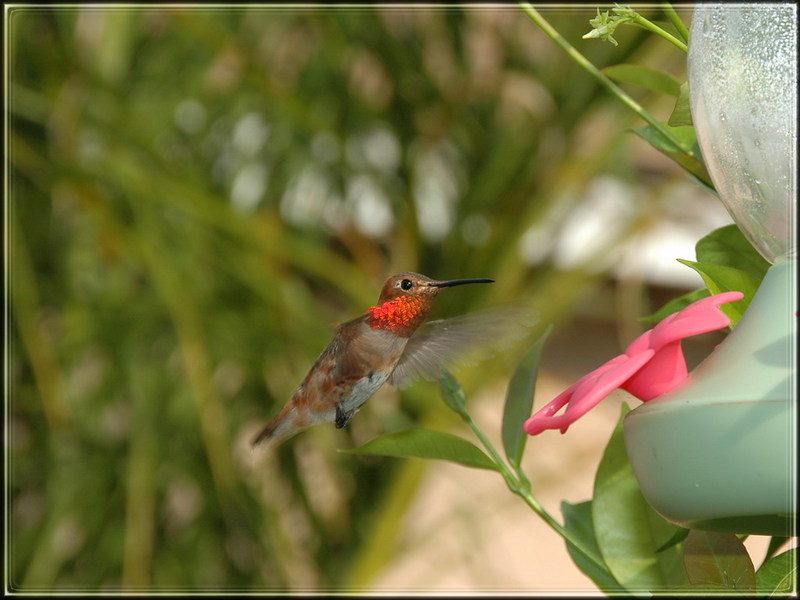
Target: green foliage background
195,196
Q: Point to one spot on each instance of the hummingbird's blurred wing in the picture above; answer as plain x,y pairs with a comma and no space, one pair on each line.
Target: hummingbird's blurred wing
438,344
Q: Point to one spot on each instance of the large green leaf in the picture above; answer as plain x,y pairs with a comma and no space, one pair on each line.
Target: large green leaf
578,520
720,278
675,305
519,400
775,544
629,532
651,79
713,558
727,246
726,261
679,536
681,114
778,575
702,589
424,443
692,162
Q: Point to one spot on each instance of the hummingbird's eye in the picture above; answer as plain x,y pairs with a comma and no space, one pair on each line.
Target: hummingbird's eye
406,284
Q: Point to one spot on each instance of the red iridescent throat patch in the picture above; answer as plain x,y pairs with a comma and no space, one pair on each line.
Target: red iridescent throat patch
400,316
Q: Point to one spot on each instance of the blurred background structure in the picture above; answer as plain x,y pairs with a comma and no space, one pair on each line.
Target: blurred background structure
196,195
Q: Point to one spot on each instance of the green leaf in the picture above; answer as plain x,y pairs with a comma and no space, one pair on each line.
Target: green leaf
728,246
453,394
578,520
681,114
713,558
725,247
679,536
775,544
651,79
720,279
692,162
519,400
675,305
702,589
629,531
425,443
778,575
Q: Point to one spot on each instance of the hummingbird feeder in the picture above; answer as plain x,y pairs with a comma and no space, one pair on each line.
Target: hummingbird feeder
719,451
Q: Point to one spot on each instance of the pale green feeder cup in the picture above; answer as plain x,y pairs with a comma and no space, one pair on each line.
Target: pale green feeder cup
719,452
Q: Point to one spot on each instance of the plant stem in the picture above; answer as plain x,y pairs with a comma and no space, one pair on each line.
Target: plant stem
650,26
531,501
505,471
673,17
521,487
605,81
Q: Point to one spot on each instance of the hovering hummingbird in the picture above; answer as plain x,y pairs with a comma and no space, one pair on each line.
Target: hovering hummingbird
387,344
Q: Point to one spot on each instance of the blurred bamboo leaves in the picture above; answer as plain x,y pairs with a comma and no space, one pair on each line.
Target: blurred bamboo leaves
196,195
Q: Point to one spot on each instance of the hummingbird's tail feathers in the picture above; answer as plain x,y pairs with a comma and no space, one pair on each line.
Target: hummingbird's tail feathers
461,340
283,426
265,437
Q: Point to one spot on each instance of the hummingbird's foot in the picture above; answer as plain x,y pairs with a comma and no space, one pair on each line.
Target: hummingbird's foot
342,416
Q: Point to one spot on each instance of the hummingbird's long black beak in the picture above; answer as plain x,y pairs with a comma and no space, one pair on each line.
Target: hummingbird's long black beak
452,282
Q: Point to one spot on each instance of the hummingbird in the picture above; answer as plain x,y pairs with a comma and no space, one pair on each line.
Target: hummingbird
388,344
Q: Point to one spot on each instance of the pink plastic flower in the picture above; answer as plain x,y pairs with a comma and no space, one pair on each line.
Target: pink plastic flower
651,366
